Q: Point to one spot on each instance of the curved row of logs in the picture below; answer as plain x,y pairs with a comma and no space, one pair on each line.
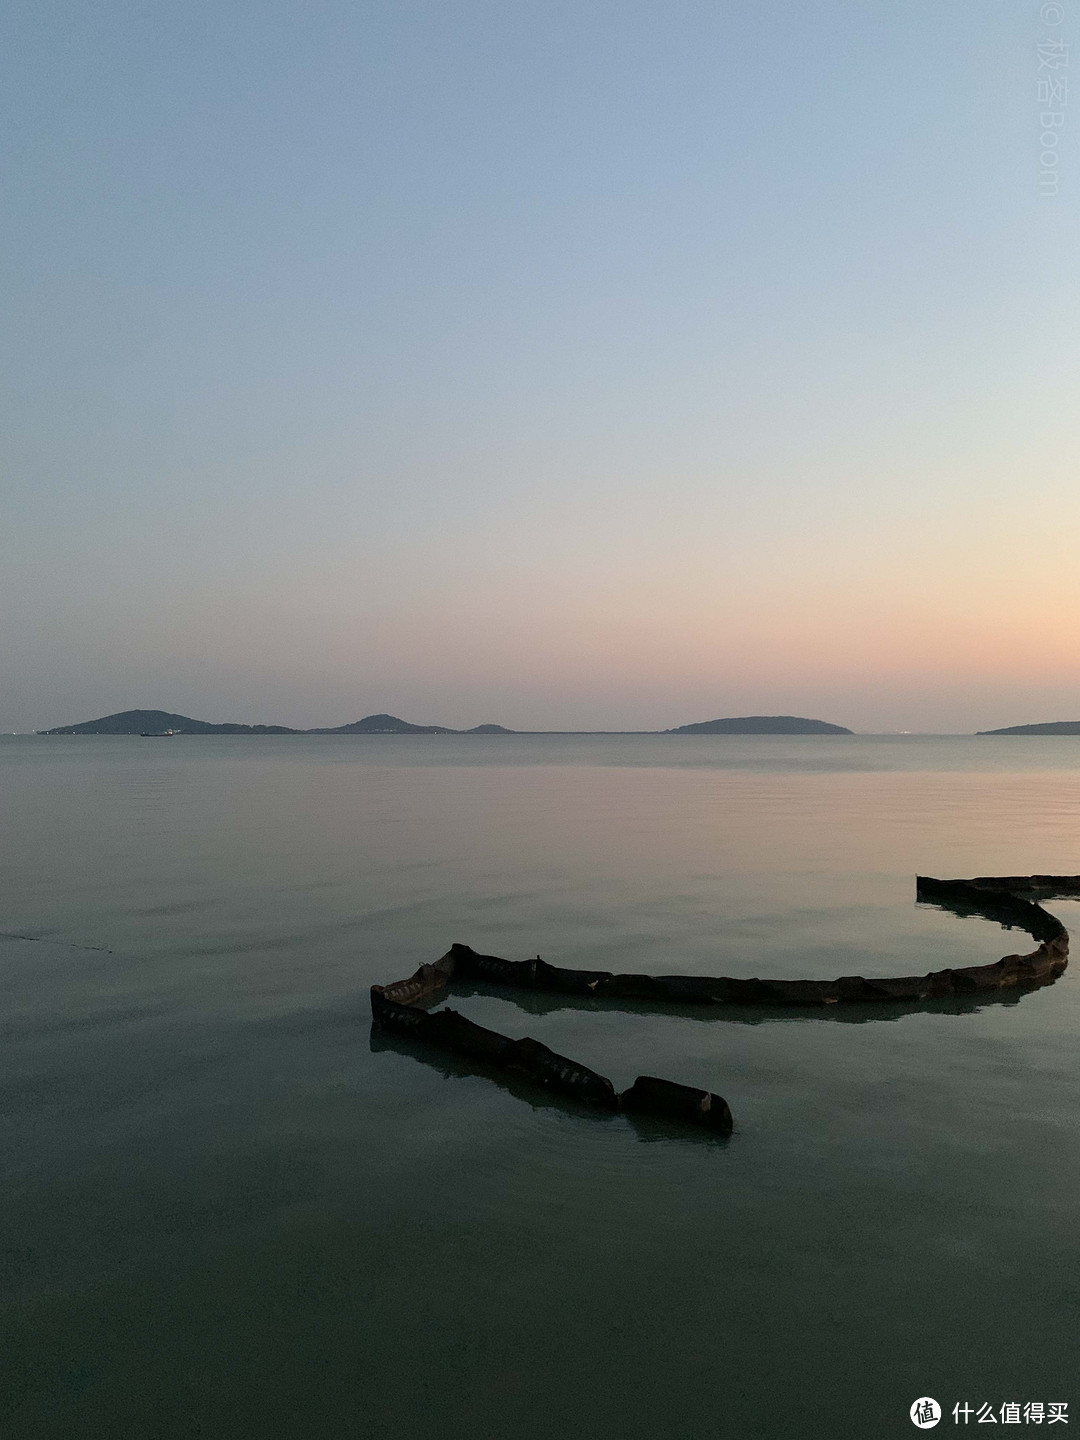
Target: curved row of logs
1011,900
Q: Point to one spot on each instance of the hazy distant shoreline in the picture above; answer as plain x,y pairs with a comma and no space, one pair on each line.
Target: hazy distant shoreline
167,724
162,723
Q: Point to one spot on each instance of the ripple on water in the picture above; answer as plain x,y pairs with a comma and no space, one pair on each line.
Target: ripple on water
541,1162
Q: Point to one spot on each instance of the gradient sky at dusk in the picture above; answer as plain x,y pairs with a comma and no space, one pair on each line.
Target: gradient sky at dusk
569,364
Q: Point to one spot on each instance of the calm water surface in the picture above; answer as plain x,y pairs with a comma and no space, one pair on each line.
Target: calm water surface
230,1212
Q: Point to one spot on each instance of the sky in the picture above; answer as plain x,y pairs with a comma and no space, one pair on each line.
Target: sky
553,363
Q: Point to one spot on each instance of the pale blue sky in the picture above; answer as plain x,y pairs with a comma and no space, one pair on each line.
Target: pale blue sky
558,364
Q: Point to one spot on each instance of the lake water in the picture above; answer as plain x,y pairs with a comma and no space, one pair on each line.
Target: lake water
230,1211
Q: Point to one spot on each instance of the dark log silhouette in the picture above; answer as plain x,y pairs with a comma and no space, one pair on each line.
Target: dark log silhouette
1012,901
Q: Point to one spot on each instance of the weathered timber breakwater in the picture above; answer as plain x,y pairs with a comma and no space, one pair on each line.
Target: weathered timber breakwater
1011,900
395,1008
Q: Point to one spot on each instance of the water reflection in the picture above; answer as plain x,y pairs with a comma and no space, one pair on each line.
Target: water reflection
647,1128
852,1013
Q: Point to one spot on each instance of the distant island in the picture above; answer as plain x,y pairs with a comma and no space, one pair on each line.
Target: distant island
381,725
164,723
1055,727
762,725
161,722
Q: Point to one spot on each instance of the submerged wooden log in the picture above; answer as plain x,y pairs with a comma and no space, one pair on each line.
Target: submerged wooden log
993,898
1012,901
651,1096
429,980
453,1032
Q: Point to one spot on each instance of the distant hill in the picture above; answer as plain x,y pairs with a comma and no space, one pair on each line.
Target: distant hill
141,722
1055,727
156,722
761,725
384,725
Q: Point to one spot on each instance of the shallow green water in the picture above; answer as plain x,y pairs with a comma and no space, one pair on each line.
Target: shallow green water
231,1212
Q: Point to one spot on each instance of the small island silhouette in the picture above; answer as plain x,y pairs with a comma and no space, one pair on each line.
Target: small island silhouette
166,723
1053,727
761,725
